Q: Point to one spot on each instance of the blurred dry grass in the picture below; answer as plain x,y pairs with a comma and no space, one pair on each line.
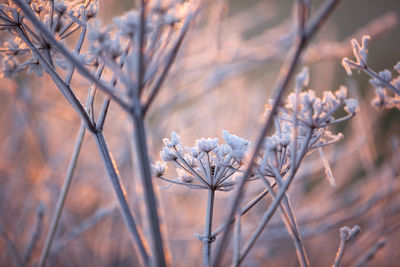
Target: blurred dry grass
221,80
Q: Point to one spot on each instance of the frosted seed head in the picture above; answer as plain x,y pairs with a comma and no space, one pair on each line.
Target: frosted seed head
184,176
167,154
330,99
351,105
237,144
207,144
346,65
174,141
159,168
303,78
341,93
397,67
386,75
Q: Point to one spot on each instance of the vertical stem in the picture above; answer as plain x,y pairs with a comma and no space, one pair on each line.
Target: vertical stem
208,228
150,198
236,244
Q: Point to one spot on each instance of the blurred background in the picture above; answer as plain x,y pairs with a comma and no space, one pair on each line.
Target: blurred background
222,79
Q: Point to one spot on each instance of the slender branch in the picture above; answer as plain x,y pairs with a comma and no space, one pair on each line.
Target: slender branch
35,234
346,235
150,198
244,210
286,73
291,225
120,192
207,240
272,208
63,196
236,244
140,53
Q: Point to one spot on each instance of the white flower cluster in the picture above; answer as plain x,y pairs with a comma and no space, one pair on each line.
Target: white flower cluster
307,117
380,81
207,165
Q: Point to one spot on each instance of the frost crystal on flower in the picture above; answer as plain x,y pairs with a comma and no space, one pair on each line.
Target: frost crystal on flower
159,168
128,23
168,155
207,144
385,77
238,145
174,141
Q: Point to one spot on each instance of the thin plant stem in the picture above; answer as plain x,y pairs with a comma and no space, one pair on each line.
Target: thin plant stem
68,179
207,239
36,233
291,225
120,192
286,73
63,195
139,136
272,208
342,247
244,210
236,244
150,198
346,235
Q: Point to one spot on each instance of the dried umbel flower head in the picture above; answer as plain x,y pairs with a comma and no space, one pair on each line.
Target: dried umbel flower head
302,123
207,165
380,80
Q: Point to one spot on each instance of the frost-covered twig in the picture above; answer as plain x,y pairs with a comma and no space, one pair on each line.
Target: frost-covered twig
346,235
380,80
291,225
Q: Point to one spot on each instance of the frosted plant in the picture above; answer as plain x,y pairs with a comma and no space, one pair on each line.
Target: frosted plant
380,81
206,165
300,126
307,117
